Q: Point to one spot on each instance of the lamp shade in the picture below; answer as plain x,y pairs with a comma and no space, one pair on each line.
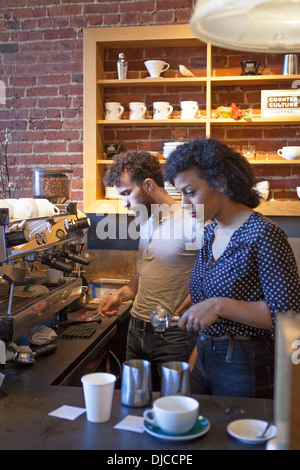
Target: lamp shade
270,26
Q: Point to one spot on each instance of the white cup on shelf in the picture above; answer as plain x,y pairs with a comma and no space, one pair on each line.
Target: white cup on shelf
291,152
162,110
156,67
189,109
113,111
137,110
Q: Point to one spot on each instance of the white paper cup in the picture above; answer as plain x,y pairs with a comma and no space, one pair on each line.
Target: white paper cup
53,275
98,389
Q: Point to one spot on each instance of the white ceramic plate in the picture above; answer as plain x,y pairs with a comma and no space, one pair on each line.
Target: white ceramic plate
201,427
247,430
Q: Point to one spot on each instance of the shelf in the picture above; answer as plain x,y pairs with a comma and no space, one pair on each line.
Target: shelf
286,121
152,122
144,82
252,162
253,79
195,81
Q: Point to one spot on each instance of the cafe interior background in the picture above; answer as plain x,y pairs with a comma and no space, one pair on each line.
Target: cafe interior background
41,64
42,103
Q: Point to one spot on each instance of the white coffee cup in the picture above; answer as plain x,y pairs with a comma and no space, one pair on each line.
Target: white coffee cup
53,275
113,111
137,110
8,204
98,389
156,67
162,110
290,153
189,109
46,208
25,208
173,414
298,191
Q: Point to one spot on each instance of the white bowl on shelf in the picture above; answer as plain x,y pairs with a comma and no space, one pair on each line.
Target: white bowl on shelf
298,191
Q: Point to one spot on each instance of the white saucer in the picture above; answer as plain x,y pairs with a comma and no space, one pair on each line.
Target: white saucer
246,430
201,427
154,77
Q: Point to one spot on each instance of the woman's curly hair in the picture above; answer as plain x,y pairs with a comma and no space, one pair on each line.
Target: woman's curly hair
138,164
219,165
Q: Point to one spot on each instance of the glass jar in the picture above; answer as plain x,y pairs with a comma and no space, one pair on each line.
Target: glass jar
53,184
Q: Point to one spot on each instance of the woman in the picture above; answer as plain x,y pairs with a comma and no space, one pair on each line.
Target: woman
244,274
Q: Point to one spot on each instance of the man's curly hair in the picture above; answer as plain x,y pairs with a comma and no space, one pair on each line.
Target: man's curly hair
219,165
139,165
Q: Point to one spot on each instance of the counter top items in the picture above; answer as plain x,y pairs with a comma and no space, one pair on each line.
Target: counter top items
201,427
291,152
248,151
98,391
156,67
41,335
175,415
251,430
136,386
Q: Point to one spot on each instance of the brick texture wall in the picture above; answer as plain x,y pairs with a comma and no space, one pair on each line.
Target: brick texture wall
41,66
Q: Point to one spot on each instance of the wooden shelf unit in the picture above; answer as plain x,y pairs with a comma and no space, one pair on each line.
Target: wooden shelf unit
96,40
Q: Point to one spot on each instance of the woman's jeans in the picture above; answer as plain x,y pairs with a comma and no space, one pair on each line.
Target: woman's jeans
234,366
172,345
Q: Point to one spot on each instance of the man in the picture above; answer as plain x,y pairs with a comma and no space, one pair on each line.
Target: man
168,250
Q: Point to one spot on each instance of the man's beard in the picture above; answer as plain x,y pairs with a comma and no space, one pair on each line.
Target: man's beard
146,201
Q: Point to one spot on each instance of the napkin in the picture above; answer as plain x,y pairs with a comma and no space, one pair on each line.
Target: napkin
41,335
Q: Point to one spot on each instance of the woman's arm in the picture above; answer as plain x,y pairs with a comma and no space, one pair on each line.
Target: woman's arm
204,314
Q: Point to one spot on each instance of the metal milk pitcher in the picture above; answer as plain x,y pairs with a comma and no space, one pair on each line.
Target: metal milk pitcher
290,64
175,379
136,384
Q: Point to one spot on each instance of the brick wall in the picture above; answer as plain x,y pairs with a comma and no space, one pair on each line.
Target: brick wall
41,65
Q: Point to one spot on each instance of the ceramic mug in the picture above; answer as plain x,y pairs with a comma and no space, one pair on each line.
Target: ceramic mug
162,110
25,208
189,109
290,153
113,111
137,110
8,204
173,414
46,208
156,67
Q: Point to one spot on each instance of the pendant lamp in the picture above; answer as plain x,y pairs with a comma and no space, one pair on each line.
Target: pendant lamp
266,26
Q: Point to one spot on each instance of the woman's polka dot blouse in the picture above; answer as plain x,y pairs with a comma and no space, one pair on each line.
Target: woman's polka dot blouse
257,264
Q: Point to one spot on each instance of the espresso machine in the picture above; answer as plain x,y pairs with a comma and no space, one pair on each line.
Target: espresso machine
58,242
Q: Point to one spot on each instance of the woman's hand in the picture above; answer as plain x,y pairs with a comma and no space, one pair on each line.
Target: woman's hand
200,316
